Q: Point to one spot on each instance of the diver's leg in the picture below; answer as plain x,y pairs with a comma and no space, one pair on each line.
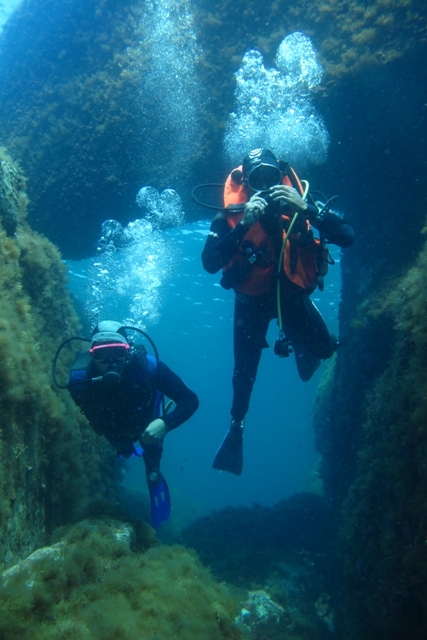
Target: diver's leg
304,325
251,320
152,455
157,485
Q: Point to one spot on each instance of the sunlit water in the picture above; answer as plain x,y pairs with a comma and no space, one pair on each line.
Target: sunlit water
7,7
171,89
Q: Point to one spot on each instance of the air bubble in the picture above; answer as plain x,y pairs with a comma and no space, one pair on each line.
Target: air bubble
163,209
273,106
133,263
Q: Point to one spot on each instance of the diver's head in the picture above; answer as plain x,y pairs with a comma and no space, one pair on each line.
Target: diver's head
261,170
109,350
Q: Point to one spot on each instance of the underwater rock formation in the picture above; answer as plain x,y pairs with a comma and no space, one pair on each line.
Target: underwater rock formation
262,616
73,111
223,542
13,200
50,461
350,34
94,582
67,113
284,552
370,419
384,521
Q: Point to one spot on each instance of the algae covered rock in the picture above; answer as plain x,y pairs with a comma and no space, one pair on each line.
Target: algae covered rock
118,532
264,617
50,461
12,194
92,584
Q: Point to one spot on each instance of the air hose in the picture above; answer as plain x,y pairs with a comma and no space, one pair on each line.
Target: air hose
281,262
204,186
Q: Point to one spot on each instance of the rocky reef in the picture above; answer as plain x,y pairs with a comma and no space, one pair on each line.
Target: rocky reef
370,408
50,462
284,555
67,113
13,200
101,579
370,418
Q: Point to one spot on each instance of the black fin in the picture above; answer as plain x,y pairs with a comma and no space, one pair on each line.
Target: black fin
229,456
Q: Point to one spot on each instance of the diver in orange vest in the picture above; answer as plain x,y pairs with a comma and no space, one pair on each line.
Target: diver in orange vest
273,273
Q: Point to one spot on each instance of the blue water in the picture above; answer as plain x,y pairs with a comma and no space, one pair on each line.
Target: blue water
193,334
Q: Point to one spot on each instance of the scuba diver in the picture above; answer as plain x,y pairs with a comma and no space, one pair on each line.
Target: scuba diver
121,390
263,241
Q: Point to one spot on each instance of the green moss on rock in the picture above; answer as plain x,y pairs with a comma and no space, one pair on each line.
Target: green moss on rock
90,584
50,460
383,520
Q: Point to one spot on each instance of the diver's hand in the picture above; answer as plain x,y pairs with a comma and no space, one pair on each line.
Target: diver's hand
155,432
290,197
253,210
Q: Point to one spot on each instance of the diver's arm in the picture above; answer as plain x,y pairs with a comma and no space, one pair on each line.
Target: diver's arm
333,228
221,243
185,399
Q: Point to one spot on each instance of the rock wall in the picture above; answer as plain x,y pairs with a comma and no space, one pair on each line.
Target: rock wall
371,407
51,463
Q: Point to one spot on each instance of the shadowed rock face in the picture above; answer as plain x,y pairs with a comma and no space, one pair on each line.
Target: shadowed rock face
372,434
66,114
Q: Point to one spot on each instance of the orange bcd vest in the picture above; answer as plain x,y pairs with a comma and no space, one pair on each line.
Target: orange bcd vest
311,261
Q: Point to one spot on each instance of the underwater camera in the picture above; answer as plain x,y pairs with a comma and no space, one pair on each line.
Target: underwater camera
282,347
273,209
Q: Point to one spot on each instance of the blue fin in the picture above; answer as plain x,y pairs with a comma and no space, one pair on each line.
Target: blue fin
160,501
229,456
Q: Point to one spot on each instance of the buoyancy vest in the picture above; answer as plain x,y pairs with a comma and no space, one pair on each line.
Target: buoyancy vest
123,410
255,264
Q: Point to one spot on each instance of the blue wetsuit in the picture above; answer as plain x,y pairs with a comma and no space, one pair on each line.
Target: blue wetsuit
121,412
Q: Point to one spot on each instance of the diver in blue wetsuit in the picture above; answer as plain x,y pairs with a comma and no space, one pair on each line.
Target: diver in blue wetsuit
121,389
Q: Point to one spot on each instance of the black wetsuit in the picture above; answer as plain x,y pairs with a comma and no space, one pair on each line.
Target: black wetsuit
301,320
122,411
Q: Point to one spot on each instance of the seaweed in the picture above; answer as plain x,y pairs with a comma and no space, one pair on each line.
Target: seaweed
90,584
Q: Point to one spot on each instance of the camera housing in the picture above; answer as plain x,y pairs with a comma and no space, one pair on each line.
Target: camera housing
282,347
273,206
